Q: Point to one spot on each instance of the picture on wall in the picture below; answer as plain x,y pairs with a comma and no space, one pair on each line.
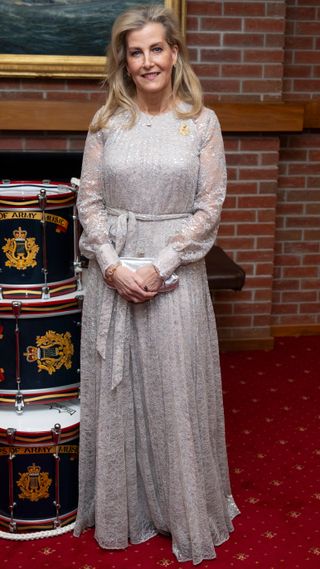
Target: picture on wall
48,37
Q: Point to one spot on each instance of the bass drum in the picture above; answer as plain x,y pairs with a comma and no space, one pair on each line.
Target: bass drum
39,233
39,469
40,350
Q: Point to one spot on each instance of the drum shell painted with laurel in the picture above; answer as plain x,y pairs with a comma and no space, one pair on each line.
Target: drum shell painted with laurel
38,468
40,343
36,239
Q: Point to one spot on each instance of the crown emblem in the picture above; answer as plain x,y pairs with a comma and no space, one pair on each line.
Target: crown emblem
20,250
34,484
53,350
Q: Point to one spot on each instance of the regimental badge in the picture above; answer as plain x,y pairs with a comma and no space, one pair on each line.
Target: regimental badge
34,484
184,129
52,351
21,250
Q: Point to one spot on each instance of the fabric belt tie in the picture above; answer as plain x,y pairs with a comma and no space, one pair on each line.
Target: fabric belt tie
125,228
127,221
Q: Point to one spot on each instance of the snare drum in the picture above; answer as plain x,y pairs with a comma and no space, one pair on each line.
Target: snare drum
38,240
39,467
40,350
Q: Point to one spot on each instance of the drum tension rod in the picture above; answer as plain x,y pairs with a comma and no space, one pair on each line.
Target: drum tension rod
11,435
56,433
19,400
42,199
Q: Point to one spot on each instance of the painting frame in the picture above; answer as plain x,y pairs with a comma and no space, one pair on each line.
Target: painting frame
68,66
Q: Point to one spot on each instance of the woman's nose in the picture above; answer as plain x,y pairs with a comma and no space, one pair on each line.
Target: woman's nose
148,62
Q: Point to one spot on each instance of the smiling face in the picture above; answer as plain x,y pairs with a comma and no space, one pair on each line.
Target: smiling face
150,60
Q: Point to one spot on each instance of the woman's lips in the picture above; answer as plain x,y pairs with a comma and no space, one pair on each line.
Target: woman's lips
151,76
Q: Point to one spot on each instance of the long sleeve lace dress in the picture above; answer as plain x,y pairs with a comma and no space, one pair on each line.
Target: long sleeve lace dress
152,442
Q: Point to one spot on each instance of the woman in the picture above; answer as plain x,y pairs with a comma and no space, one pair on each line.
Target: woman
152,456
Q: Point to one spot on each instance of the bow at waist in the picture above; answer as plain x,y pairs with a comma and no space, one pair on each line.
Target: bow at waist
126,223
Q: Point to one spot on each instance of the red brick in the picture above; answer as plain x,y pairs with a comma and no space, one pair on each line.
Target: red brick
204,8
302,247
241,187
307,57
270,158
264,25
273,71
235,243
301,42
293,154
243,9
257,174
312,85
255,229
220,85
275,9
253,308
243,40
8,142
227,229
291,181
266,215
260,143
313,209
192,23
311,260
299,296
300,272
231,70
300,13
310,308
34,143
263,55
238,215
206,69
256,202
240,159
302,221
304,168
297,71
274,40
287,260
220,24
203,39
220,55
308,28
261,86
289,235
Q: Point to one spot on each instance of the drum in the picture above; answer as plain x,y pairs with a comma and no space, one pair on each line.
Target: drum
39,467
40,350
39,233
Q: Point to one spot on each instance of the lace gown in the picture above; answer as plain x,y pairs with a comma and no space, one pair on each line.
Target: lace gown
152,446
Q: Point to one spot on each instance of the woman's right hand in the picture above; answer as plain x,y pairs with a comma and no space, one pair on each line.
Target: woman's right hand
130,285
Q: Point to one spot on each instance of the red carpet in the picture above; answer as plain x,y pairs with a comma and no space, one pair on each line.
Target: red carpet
272,415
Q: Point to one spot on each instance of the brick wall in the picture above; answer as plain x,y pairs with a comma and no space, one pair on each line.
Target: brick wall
252,50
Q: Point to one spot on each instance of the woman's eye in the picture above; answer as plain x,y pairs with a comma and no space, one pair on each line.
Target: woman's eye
157,49
135,53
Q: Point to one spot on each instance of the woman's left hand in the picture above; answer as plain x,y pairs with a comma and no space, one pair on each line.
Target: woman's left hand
151,279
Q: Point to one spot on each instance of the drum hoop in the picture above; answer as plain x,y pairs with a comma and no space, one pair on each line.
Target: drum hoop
49,308
35,291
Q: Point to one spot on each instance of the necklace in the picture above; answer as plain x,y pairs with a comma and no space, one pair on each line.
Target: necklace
149,117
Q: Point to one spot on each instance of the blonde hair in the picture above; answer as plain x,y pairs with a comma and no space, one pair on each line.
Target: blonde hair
120,87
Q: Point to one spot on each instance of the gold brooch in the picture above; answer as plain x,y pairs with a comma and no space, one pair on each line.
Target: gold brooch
184,129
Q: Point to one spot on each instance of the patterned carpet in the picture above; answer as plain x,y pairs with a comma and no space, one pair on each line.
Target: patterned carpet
272,415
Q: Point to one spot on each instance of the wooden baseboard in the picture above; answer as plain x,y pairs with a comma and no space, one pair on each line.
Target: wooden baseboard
295,330
243,344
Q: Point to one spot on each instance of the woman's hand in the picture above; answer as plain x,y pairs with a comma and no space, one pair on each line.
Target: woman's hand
131,285
150,278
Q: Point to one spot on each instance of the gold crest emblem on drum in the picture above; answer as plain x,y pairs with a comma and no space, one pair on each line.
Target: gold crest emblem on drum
20,250
34,484
53,350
